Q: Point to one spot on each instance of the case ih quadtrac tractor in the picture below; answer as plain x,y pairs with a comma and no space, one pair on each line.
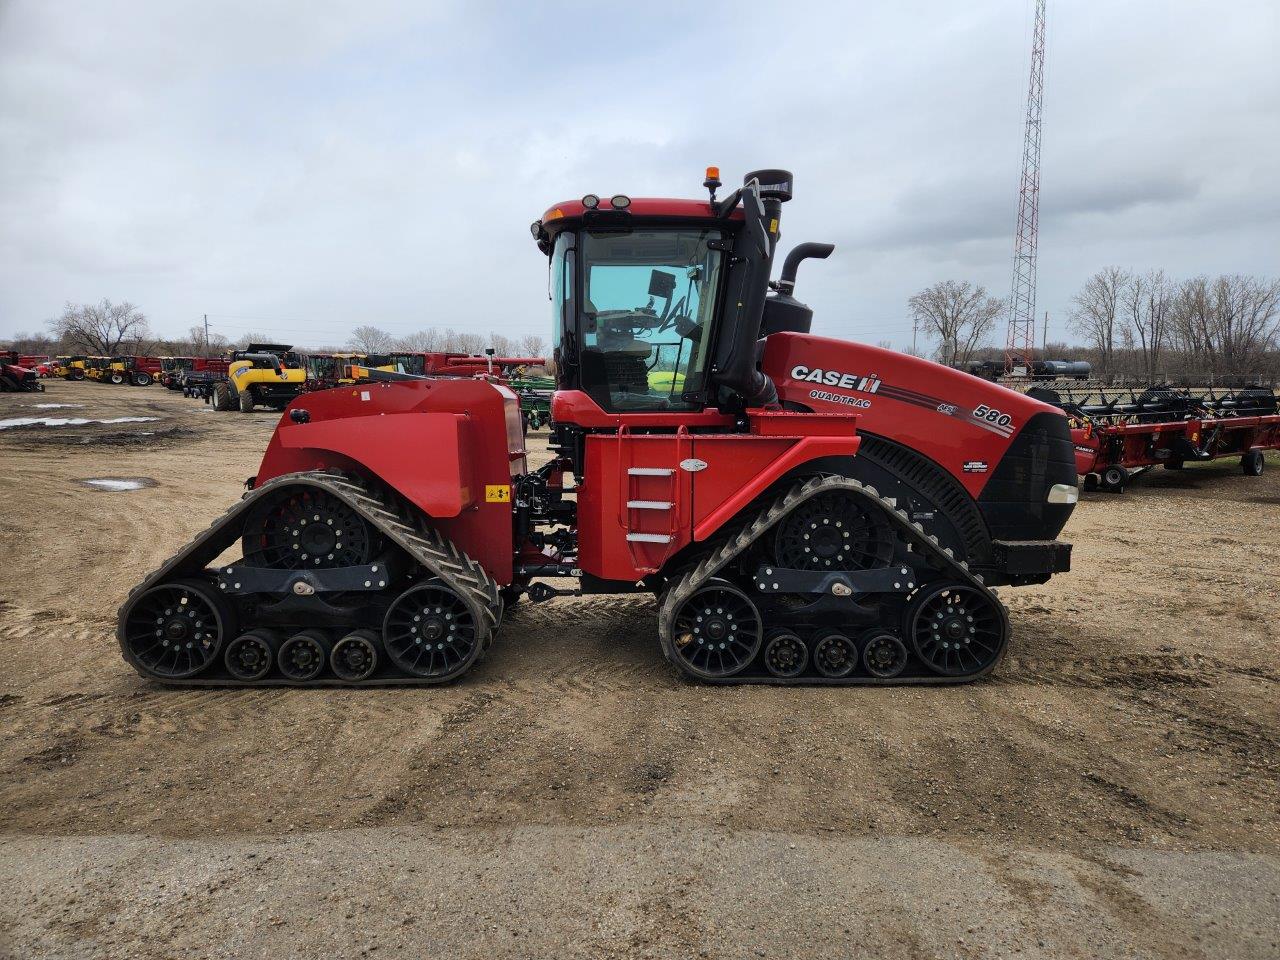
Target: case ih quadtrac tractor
806,510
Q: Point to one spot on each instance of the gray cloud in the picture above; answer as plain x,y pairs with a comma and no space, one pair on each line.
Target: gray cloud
299,168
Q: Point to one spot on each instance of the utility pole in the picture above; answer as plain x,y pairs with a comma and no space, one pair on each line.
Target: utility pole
1044,344
1021,340
206,334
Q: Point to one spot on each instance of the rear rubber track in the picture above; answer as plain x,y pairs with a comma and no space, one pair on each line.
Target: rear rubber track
398,522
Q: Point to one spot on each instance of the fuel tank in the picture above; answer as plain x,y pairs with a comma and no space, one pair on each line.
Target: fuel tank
1011,454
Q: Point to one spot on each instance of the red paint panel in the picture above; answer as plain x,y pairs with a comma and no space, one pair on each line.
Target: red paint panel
947,415
439,443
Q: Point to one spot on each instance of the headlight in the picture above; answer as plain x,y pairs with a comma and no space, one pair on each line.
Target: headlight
1063,493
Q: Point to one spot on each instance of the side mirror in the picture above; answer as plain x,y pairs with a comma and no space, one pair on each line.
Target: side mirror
662,284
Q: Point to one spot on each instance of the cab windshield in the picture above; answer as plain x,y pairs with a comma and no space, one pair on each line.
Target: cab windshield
647,301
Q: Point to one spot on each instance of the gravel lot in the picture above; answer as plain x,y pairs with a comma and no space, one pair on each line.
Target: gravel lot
1111,792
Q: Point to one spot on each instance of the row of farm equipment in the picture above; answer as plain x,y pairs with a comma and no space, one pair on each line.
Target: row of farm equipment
1118,435
271,374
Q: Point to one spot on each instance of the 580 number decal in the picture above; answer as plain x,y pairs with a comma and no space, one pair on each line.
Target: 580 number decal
991,415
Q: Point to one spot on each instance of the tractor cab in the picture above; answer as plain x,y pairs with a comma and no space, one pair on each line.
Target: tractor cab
268,356
657,304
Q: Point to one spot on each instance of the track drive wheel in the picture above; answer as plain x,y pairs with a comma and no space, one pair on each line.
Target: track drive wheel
1253,463
174,630
717,632
432,633
303,528
956,629
833,532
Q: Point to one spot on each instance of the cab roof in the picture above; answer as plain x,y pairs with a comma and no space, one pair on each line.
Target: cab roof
641,207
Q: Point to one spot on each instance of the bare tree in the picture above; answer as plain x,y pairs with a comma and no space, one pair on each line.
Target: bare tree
465,342
430,340
956,314
1146,302
368,339
1096,311
533,345
100,329
502,345
1229,324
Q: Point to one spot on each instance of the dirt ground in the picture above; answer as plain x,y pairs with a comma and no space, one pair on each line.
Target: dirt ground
1111,792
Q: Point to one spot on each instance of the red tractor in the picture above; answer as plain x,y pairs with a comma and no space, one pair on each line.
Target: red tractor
805,510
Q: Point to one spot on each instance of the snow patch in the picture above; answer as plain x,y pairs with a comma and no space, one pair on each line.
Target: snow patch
66,421
107,484
55,406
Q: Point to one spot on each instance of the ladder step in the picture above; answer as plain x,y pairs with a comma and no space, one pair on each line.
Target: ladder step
649,538
649,471
649,504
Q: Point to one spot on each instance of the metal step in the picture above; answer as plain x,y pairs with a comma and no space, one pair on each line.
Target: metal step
649,504
649,537
650,471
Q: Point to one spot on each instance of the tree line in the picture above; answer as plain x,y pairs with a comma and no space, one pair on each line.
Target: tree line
108,328
1135,326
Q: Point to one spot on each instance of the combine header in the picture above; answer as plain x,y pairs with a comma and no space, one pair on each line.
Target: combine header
1120,435
805,510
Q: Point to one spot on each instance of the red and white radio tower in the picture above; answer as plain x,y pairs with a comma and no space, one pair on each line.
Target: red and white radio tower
1020,345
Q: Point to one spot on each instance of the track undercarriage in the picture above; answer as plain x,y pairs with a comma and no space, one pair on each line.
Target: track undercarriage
342,583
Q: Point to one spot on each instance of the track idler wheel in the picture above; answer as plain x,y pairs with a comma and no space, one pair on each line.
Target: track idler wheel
956,629
251,655
355,656
884,655
307,529
717,632
835,655
786,656
303,656
430,632
175,630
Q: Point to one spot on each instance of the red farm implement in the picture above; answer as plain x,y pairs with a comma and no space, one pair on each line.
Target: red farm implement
16,376
1118,436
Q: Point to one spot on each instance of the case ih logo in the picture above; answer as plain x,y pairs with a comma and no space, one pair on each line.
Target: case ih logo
834,378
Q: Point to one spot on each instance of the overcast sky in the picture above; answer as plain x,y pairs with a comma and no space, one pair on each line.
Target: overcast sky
298,168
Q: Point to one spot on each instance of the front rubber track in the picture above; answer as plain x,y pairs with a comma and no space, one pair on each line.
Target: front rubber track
941,560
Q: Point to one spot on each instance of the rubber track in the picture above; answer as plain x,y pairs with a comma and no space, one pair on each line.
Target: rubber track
426,546
939,556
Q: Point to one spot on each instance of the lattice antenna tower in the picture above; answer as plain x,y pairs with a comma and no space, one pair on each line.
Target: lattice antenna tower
1020,343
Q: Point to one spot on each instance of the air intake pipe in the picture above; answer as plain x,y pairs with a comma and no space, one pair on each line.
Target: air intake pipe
735,365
